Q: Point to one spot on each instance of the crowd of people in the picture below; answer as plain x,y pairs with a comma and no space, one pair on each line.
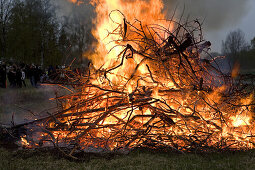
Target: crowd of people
16,74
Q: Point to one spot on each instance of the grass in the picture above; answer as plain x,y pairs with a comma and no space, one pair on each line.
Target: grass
31,159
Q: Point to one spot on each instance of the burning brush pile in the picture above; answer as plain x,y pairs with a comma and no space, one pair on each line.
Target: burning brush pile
151,84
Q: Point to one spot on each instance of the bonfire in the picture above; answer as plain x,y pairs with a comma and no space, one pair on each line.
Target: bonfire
151,83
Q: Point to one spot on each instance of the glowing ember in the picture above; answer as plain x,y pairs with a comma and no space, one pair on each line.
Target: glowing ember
24,141
240,121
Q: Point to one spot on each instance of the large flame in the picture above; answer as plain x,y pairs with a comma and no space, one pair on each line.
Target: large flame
174,111
108,19
112,15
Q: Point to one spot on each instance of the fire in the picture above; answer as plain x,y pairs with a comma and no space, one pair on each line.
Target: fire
235,70
110,14
78,2
147,85
240,121
24,141
73,1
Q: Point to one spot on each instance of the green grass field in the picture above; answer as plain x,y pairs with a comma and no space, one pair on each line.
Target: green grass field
134,160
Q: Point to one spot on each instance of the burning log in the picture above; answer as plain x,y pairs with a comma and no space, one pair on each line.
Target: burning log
157,92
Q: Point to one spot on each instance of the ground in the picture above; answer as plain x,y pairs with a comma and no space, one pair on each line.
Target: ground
21,102
134,160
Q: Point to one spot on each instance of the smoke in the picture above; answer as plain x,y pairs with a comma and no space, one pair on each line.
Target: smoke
80,10
64,7
217,14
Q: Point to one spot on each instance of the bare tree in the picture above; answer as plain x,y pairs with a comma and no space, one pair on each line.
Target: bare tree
235,43
5,12
78,26
253,43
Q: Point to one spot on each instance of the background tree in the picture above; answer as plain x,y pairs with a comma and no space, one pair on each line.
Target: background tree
237,50
253,43
78,30
235,43
5,13
33,33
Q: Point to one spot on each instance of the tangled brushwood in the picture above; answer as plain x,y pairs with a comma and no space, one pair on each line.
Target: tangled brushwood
160,89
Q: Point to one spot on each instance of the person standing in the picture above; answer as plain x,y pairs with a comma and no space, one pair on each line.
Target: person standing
3,76
12,77
23,77
18,78
32,75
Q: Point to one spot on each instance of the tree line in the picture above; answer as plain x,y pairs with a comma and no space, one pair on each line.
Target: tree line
238,50
32,32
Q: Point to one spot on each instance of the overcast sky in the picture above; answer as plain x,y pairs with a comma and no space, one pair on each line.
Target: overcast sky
220,16
246,23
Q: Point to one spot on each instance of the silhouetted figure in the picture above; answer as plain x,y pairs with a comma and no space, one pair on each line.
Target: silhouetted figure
2,76
51,72
38,74
32,75
12,77
18,78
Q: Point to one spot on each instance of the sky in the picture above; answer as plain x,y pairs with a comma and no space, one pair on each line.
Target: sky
246,24
219,16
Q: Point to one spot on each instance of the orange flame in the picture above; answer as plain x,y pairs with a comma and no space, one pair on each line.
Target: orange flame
108,19
190,105
77,2
235,70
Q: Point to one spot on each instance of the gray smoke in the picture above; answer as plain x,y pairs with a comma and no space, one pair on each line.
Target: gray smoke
217,14
67,9
64,8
